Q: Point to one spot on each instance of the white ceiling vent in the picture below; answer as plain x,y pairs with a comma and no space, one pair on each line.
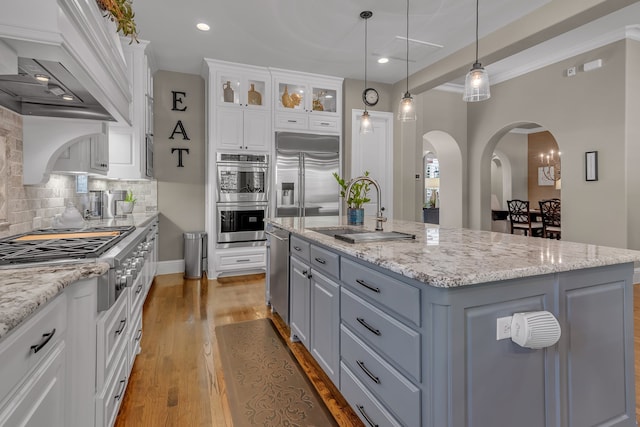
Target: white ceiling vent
396,48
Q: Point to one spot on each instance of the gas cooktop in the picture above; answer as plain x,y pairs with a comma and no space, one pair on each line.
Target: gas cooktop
60,243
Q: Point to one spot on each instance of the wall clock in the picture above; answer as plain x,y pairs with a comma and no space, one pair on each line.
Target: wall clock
370,96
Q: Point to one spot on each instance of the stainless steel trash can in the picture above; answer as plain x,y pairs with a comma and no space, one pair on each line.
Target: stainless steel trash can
195,254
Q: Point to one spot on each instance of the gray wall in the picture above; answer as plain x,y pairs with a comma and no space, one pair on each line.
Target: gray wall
514,146
352,98
442,121
181,192
584,113
632,131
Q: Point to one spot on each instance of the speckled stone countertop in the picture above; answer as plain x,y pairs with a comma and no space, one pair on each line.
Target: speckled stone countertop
24,290
449,257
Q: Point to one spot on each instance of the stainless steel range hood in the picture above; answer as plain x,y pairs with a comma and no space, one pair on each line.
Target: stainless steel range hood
47,88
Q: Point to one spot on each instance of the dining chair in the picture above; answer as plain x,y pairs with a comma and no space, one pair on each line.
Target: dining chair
550,210
520,218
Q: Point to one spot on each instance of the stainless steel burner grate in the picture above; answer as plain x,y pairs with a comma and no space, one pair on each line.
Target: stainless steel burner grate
74,244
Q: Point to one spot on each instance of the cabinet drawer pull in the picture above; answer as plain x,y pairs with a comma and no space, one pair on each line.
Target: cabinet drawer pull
324,124
369,327
123,323
304,272
366,285
45,339
368,372
366,416
140,286
122,384
321,261
297,248
292,121
139,335
243,260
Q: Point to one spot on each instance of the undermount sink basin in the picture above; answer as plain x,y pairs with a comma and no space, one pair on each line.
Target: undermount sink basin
355,235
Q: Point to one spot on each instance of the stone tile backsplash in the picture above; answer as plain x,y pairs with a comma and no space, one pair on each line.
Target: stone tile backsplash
25,208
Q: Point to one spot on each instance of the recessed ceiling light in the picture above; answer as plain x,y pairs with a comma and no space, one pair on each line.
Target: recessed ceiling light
383,60
42,78
67,97
202,26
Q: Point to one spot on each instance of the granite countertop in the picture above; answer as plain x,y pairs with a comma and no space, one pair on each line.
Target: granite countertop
24,290
448,257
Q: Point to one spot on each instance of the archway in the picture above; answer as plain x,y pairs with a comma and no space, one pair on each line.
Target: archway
452,175
517,147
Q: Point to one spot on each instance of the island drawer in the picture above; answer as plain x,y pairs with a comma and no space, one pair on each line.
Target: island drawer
300,248
326,261
390,386
30,342
396,341
370,411
400,297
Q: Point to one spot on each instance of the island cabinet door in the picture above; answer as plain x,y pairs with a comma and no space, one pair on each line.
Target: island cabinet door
495,382
325,324
299,301
596,347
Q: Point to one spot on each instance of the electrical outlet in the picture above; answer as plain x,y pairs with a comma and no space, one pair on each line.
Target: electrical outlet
503,328
571,71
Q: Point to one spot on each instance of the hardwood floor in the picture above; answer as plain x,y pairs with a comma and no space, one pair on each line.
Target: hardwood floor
177,378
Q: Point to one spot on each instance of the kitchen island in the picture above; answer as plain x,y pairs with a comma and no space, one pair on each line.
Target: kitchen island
407,330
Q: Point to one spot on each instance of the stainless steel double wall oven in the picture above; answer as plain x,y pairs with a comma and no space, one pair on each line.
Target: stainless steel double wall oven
242,198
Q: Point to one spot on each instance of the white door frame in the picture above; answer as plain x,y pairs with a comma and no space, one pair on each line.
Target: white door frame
386,181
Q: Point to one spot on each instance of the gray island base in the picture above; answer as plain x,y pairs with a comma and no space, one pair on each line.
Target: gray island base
407,330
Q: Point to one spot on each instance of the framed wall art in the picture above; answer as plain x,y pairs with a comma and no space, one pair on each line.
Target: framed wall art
591,165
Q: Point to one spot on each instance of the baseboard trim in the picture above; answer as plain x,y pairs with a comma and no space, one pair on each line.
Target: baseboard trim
170,267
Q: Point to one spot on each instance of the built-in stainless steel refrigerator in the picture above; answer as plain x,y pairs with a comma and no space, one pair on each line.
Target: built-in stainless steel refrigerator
305,164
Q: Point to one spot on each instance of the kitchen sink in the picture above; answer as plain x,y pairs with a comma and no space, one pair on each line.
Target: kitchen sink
355,235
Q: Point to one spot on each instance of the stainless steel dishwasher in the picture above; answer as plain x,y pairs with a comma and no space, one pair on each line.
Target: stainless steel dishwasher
278,279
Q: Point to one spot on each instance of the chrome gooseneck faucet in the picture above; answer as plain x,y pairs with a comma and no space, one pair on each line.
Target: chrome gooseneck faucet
379,218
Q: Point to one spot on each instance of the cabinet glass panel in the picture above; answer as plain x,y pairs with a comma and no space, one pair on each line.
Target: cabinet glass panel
256,92
291,95
229,87
324,100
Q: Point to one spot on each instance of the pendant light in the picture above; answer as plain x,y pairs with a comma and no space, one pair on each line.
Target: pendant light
407,111
476,84
366,126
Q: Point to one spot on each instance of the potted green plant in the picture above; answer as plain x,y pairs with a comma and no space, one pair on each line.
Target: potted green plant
128,202
120,12
356,198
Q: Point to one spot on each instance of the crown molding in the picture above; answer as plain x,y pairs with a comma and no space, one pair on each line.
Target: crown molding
630,32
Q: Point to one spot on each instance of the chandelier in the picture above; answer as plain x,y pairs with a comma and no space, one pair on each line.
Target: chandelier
551,165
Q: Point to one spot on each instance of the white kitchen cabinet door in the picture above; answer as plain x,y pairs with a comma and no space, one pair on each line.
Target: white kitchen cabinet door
41,402
230,129
256,130
99,149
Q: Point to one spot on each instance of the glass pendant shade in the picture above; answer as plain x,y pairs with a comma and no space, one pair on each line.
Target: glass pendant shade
476,84
407,110
365,123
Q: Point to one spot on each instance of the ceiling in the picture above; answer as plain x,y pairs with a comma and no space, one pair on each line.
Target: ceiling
327,37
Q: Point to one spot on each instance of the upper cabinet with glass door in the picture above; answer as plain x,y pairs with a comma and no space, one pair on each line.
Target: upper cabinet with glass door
306,101
243,87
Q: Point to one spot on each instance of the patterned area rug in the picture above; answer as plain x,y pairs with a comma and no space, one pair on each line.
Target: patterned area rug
265,384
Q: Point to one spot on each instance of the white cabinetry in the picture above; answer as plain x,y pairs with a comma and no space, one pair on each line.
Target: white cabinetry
307,102
32,390
239,107
89,155
127,144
